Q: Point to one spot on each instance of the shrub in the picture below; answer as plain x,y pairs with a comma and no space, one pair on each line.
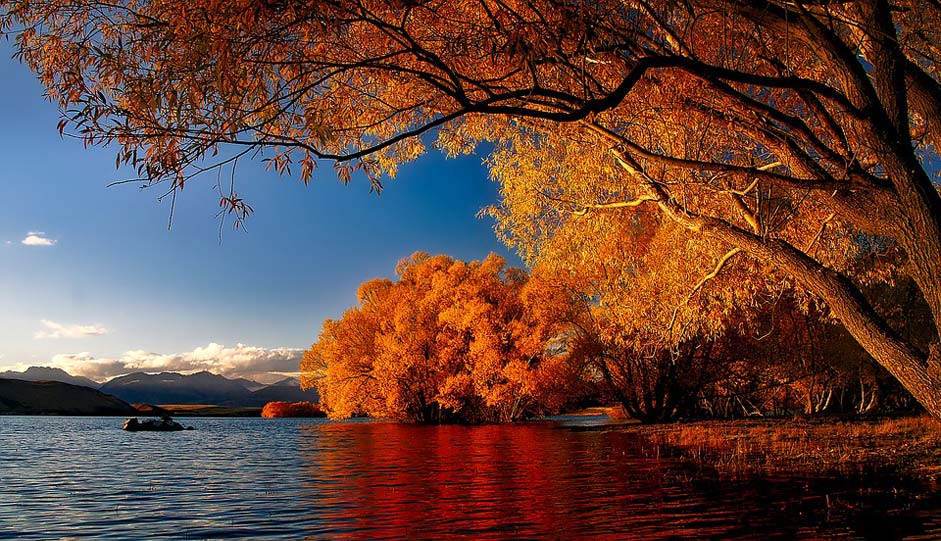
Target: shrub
292,409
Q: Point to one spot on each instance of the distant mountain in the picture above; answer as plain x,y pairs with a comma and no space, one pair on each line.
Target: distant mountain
204,388
285,390
56,398
250,384
45,373
286,382
173,388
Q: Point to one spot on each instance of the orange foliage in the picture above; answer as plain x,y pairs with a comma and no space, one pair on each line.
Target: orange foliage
292,409
801,137
447,341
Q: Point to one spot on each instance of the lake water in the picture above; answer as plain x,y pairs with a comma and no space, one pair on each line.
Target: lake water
65,478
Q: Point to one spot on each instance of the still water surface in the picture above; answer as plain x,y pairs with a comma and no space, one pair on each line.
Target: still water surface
66,478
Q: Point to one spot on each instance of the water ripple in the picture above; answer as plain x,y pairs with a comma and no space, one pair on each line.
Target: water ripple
70,478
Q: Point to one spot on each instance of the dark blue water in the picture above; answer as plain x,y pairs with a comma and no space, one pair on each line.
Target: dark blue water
69,478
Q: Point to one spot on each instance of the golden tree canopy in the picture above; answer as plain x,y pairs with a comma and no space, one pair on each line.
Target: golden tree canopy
447,341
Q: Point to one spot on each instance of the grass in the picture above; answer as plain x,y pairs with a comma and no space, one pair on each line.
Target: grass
198,410
907,445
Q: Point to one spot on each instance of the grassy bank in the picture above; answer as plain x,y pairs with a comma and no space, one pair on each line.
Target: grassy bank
197,410
908,445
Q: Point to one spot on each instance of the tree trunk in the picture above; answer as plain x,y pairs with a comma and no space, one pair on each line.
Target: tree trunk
913,368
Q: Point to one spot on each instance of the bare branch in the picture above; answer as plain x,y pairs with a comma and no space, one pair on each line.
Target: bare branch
615,205
823,226
715,272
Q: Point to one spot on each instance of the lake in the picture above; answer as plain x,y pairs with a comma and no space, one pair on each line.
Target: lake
75,477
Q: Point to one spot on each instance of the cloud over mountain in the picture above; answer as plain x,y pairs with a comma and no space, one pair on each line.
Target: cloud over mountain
240,360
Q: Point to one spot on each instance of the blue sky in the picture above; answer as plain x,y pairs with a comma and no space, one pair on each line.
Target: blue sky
113,289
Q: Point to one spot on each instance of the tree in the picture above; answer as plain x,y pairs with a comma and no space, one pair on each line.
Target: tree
647,337
794,134
274,410
448,341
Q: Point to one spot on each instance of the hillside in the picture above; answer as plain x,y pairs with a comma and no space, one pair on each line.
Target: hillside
249,384
45,373
204,388
286,390
20,397
173,388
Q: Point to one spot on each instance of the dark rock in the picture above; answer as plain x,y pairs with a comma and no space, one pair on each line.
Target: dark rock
166,424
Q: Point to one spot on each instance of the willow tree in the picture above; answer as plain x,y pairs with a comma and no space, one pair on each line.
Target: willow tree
447,341
794,133
643,318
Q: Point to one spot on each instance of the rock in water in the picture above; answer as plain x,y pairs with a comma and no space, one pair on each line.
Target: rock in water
166,424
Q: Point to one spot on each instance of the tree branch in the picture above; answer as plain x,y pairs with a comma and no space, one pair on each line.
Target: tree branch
715,272
615,205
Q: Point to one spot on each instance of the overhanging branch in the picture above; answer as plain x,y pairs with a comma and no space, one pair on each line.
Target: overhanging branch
615,205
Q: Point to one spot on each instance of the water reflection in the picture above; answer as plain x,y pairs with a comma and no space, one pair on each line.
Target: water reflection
65,478
386,480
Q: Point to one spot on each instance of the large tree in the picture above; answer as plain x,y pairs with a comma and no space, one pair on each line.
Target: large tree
799,133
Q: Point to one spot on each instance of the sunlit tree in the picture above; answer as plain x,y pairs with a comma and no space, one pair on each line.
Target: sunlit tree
796,134
448,341
649,337
291,409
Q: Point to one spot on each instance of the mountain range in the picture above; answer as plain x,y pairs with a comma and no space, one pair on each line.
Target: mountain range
174,388
21,397
45,373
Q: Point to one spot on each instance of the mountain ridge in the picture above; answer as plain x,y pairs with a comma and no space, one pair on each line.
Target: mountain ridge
48,373
22,397
203,387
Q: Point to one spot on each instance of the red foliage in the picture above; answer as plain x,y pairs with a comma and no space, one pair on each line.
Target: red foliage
292,409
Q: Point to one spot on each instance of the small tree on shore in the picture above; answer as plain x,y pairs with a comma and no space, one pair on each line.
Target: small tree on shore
448,341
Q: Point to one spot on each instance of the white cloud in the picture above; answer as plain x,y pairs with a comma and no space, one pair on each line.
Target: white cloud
262,364
38,238
87,365
15,367
61,330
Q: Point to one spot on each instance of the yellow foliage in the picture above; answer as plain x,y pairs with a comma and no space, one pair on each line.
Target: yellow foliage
447,341
801,138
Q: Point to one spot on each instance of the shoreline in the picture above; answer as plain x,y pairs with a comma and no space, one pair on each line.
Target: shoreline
904,446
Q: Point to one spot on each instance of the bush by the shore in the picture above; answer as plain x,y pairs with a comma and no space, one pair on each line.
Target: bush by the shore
292,409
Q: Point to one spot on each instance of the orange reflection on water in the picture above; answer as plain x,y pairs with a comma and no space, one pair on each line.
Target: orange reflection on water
399,480
395,481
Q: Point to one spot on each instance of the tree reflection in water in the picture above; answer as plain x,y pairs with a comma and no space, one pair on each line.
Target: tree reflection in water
370,480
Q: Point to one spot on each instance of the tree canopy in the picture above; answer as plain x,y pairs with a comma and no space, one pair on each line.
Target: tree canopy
796,135
273,410
448,341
